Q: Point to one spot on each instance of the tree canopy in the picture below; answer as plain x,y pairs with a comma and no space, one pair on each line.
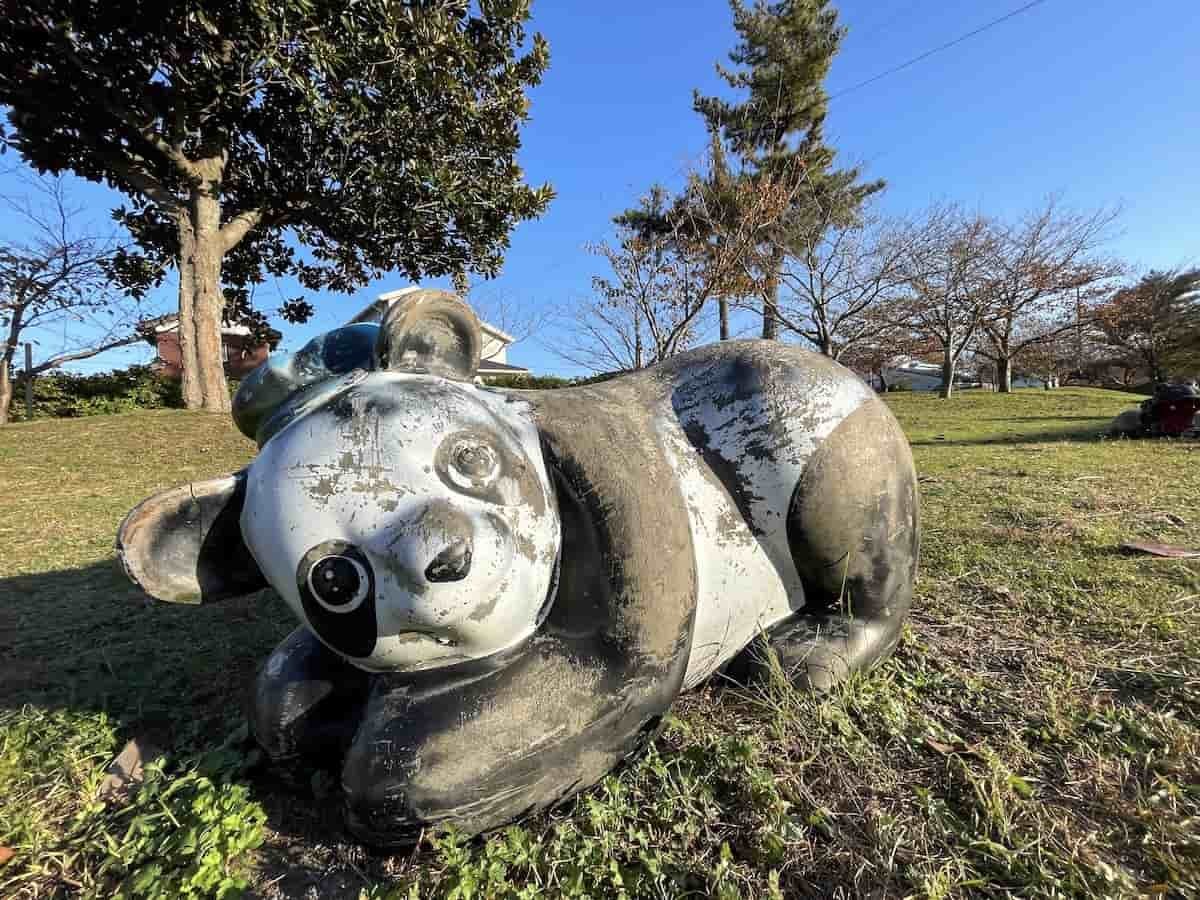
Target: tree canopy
1157,322
380,135
783,55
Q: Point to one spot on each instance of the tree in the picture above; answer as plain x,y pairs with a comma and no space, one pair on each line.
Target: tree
1156,320
640,316
57,280
1051,356
784,52
1043,275
835,273
376,135
715,197
946,272
669,262
510,313
886,340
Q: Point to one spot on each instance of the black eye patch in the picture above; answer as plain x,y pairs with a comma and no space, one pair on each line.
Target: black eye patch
337,591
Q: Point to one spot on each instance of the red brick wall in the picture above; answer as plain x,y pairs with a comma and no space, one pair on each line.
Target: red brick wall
241,357
169,355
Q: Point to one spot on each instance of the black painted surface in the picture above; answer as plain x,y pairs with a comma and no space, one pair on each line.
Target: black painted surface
351,631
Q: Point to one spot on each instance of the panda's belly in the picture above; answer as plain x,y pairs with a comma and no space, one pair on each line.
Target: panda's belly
739,460
745,582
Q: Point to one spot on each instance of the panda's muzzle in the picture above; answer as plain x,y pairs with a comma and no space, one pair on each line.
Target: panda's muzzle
453,563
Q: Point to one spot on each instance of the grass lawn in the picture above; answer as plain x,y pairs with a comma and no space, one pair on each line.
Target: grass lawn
1037,734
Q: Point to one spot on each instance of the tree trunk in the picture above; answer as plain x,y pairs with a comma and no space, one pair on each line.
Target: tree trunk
6,387
193,396
883,385
827,347
1004,375
200,302
947,375
723,307
770,322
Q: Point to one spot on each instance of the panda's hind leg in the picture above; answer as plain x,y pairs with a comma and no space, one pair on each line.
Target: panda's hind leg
307,701
854,536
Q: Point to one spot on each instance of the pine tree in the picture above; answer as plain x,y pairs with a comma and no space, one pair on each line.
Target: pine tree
781,61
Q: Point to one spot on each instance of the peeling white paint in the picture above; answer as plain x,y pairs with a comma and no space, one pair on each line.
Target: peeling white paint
366,476
747,581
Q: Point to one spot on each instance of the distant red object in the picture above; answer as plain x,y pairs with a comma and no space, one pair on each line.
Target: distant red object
1174,418
1171,410
240,353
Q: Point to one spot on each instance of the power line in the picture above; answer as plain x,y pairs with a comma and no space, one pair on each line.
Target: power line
928,53
881,24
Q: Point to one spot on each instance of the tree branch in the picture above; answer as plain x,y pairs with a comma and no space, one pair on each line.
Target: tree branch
63,358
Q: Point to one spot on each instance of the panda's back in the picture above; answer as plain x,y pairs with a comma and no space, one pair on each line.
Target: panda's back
737,422
740,422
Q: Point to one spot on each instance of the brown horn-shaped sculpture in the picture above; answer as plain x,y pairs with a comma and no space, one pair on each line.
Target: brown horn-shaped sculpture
430,332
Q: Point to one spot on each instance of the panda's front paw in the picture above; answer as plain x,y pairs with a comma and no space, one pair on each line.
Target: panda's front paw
307,700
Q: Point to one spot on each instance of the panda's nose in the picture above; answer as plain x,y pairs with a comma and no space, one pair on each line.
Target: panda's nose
452,563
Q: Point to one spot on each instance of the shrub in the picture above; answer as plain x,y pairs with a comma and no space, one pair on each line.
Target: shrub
69,395
524,382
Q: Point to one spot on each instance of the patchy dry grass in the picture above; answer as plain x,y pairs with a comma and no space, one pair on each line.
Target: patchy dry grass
1036,735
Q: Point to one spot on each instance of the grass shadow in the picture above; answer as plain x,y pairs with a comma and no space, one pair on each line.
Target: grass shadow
85,638
1041,419
1092,433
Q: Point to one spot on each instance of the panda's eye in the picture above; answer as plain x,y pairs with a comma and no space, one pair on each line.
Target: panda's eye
338,583
473,464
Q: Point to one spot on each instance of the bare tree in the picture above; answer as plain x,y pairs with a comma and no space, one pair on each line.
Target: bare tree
1050,354
516,315
635,316
947,276
672,258
1044,274
884,340
834,272
56,280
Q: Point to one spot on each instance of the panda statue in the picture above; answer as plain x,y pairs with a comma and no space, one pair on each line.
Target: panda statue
501,593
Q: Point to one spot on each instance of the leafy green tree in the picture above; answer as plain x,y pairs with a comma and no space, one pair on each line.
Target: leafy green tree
776,128
376,136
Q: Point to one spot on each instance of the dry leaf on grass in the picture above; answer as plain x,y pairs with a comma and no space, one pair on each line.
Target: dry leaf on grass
1168,551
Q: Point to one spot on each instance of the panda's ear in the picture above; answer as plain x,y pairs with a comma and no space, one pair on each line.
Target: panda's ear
430,332
185,545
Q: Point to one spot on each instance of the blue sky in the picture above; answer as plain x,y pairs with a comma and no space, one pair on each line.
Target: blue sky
1097,100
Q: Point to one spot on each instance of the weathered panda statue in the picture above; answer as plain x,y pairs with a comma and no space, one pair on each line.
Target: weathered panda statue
502,592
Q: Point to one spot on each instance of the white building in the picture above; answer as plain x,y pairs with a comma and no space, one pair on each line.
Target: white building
925,376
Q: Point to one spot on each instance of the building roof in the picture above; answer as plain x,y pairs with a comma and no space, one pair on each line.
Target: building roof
487,367
170,322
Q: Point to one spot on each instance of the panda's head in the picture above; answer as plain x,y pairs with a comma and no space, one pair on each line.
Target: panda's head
404,514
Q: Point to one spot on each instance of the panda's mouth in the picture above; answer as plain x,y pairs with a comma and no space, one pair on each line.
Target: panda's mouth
442,640
424,643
